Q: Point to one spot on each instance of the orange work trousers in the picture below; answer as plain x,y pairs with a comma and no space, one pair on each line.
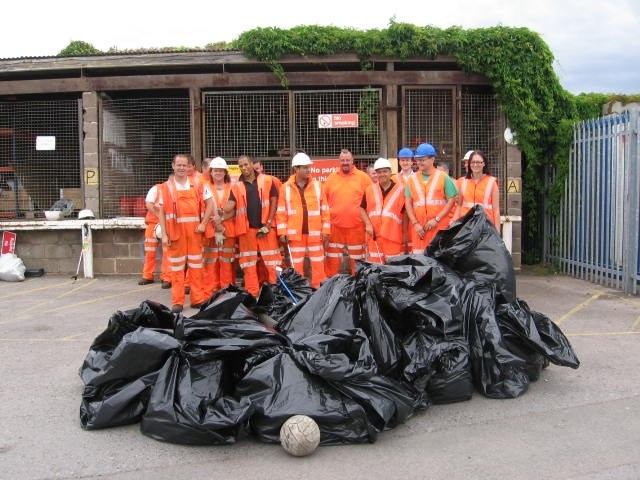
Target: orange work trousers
186,251
314,249
250,246
218,265
350,238
380,249
150,250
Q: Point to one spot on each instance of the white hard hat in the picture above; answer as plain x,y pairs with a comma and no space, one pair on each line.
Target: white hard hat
218,162
300,159
467,155
381,163
85,213
157,231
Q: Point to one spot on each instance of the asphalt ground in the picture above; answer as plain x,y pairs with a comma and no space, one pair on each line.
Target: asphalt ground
570,424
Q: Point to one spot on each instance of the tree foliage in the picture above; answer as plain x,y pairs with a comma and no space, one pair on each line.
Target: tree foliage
78,48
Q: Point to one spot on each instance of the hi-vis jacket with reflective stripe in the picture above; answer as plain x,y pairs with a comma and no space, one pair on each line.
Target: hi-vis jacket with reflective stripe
290,213
240,193
385,213
171,208
150,217
428,197
480,193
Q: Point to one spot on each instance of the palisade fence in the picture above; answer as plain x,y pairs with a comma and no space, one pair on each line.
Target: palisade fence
594,235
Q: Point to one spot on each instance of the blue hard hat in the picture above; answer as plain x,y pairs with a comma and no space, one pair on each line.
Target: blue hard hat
405,153
425,150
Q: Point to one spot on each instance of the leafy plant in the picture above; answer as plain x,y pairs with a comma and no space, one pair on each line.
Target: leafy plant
77,48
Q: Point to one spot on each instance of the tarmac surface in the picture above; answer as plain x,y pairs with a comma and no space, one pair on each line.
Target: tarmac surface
570,424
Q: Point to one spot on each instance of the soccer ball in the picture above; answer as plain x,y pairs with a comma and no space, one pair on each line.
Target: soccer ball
300,435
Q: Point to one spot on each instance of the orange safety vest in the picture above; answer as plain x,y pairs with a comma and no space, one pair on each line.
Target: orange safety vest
172,211
480,193
401,179
385,213
290,210
240,193
221,198
152,218
428,197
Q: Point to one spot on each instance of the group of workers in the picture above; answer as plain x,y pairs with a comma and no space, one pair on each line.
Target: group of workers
206,222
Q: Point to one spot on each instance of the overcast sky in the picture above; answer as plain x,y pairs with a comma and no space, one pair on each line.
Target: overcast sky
596,44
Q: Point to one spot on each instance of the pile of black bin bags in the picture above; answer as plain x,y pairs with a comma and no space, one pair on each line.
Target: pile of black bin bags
360,355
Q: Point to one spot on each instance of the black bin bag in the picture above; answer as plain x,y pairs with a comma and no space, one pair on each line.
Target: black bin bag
278,388
333,305
192,399
473,248
117,394
536,333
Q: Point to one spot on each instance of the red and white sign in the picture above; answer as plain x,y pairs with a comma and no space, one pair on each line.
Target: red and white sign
8,242
338,120
321,169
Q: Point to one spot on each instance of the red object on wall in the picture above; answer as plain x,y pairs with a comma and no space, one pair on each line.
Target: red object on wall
138,206
8,242
126,206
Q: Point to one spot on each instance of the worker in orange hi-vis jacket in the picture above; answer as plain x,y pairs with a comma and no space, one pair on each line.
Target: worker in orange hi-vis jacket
429,199
185,208
477,187
219,251
405,172
344,189
254,200
303,219
151,242
382,209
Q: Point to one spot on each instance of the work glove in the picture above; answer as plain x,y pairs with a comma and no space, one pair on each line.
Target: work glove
262,231
220,238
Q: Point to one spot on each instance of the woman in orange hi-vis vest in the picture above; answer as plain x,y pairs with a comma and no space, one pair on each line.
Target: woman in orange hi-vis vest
382,211
254,199
429,198
219,251
185,208
303,219
479,188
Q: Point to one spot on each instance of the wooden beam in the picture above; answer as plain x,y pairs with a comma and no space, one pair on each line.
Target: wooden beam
238,80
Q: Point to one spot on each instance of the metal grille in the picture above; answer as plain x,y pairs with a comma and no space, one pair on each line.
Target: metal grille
595,233
363,141
428,116
482,129
39,154
140,136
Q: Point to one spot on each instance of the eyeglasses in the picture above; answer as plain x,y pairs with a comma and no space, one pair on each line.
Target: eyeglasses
476,163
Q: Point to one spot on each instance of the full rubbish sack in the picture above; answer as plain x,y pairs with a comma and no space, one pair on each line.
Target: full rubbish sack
11,268
360,355
473,248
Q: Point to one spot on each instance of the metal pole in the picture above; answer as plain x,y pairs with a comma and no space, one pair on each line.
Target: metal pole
632,179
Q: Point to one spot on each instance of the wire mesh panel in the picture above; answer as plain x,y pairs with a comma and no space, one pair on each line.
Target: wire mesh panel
363,140
140,136
39,155
428,116
483,129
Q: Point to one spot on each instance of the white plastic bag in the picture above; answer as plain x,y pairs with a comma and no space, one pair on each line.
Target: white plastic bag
11,268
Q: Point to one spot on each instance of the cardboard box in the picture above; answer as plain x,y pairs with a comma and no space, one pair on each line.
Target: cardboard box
75,195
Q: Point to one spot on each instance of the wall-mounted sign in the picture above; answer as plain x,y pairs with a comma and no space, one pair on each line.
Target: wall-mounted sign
338,120
91,176
45,143
513,185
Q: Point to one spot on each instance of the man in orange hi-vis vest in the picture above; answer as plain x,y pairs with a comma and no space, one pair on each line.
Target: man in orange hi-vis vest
151,242
303,219
382,210
344,189
254,197
185,209
429,199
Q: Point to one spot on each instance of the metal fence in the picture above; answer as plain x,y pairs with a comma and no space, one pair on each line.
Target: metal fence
40,155
595,234
140,135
